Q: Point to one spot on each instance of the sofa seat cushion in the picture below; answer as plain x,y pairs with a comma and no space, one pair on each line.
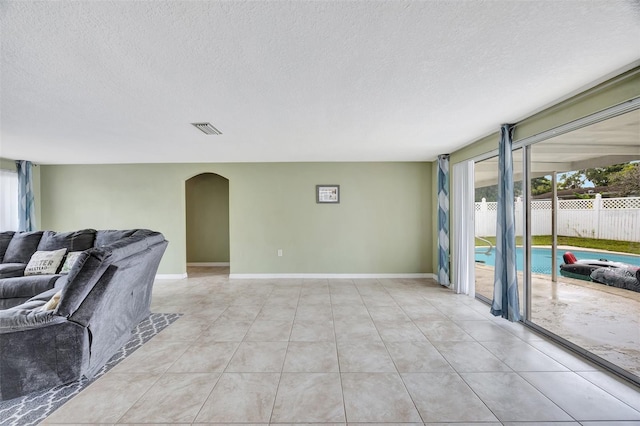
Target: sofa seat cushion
28,286
22,246
8,270
72,241
10,303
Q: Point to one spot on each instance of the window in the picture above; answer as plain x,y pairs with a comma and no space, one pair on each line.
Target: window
8,200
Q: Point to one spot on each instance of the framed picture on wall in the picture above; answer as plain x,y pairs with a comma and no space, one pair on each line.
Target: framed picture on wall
327,194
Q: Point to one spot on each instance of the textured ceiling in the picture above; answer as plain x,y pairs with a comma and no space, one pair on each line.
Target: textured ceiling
119,82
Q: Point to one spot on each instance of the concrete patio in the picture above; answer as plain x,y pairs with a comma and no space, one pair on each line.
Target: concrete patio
604,320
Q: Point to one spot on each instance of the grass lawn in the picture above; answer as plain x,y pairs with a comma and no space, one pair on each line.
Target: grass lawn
609,245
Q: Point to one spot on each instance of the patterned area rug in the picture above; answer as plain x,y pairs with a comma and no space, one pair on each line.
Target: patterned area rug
35,407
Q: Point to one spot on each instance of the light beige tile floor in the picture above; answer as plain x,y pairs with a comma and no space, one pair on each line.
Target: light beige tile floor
388,351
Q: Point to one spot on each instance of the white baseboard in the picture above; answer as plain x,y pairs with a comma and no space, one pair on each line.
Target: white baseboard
307,276
171,276
329,276
208,263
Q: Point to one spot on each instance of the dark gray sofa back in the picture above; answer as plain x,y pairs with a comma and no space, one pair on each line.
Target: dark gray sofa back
72,241
107,236
22,246
18,247
5,239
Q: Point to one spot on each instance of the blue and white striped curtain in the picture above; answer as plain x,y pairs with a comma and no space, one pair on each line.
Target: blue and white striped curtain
505,290
26,208
443,220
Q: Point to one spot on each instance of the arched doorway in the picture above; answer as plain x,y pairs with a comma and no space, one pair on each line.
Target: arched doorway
207,224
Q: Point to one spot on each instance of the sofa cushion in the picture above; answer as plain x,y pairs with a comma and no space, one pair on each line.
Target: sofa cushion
28,286
72,241
108,236
5,239
10,303
8,270
45,295
37,302
22,246
45,262
69,261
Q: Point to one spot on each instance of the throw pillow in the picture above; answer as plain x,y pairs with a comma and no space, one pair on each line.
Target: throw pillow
52,303
70,261
44,262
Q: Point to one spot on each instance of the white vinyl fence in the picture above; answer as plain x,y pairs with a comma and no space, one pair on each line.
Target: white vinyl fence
608,218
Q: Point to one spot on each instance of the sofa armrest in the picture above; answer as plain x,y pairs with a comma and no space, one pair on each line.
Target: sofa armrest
8,270
140,241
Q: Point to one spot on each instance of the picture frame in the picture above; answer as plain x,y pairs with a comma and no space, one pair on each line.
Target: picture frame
327,194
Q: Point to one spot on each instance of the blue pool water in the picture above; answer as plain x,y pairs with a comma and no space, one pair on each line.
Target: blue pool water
541,258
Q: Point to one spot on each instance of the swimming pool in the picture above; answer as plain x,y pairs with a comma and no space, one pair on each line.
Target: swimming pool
541,258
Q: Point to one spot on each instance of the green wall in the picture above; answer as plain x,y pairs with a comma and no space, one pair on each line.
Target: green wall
207,212
7,164
434,218
383,223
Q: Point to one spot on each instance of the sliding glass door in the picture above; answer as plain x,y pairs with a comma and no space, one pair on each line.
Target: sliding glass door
578,236
585,238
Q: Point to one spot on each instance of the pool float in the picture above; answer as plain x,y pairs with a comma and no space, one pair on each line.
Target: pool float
583,268
627,278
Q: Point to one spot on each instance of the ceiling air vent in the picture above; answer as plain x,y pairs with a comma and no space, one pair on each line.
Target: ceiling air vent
207,128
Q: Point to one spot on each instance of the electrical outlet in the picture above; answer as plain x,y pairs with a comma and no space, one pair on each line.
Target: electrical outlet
279,252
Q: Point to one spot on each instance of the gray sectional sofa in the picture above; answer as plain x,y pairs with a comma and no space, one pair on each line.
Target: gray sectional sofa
16,248
105,294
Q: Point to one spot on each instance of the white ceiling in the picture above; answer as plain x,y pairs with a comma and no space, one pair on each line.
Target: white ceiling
119,82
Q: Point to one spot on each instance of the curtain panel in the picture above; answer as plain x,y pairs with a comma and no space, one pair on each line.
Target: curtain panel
505,292
463,256
26,207
443,220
